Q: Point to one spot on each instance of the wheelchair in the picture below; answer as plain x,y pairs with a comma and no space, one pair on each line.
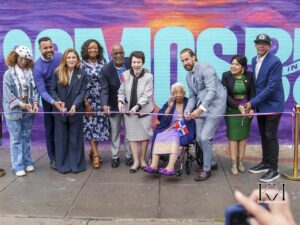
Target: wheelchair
188,158
190,154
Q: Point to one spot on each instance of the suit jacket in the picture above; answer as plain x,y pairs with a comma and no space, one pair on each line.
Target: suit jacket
144,91
165,122
110,84
228,81
268,84
206,90
72,94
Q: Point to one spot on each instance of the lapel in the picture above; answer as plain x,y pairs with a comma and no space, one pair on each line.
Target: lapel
263,67
75,77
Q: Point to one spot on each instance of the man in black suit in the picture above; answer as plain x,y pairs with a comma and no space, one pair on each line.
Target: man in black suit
110,83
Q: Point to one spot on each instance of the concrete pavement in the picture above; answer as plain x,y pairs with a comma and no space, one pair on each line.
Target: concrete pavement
114,196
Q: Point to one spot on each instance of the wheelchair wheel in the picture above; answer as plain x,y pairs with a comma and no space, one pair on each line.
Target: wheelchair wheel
188,165
199,155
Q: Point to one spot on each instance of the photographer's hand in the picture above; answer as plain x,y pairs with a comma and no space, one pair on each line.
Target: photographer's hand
278,213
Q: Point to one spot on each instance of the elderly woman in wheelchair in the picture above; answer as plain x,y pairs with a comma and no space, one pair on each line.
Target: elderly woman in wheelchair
171,132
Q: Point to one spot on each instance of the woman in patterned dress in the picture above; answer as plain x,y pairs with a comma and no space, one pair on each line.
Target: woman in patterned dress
96,127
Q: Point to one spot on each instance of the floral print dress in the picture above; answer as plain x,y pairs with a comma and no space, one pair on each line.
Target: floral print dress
96,127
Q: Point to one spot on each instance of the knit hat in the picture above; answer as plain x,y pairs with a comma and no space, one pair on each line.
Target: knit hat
24,52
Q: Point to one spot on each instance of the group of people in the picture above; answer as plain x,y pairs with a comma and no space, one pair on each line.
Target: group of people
88,99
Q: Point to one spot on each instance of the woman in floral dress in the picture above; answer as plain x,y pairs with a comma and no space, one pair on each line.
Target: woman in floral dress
96,126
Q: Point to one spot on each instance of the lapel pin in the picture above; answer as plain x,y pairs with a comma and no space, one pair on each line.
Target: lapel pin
79,76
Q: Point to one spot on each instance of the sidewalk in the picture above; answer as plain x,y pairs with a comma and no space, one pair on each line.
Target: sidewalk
114,196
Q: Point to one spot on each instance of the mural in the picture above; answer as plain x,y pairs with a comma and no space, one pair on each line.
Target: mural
161,28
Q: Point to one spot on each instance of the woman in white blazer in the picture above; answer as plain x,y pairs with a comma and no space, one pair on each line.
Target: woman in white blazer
135,98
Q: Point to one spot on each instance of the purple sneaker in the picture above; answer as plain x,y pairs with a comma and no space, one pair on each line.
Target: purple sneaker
166,172
149,169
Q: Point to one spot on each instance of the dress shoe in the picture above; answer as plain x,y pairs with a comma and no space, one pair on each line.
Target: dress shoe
149,169
52,164
134,170
270,176
213,167
2,172
115,163
166,172
96,163
203,175
260,168
129,161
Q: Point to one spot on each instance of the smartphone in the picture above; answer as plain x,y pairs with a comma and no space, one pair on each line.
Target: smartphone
237,215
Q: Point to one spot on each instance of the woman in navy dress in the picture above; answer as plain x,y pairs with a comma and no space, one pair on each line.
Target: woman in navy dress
95,126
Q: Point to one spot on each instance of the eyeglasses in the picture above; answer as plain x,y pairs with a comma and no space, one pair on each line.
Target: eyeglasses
118,53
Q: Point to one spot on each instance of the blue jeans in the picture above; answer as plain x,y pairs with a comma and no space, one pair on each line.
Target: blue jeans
20,132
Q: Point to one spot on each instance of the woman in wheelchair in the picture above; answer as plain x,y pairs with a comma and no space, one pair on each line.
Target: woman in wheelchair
168,136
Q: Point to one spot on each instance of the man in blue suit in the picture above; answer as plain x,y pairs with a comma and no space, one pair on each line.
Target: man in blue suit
269,98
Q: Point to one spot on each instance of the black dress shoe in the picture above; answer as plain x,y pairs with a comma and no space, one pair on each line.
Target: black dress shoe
213,167
270,176
129,161
52,164
203,175
115,163
260,168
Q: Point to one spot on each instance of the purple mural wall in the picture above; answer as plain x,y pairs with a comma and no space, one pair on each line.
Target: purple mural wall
161,28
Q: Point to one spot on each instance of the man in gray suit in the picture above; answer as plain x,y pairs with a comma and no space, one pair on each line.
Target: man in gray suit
207,102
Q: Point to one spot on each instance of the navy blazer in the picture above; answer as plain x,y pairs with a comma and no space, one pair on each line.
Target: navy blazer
71,94
268,84
110,84
165,122
228,81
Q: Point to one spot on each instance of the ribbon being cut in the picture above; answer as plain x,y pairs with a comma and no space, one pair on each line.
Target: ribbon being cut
181,127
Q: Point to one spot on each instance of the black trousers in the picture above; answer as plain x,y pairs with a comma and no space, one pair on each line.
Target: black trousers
49,129
268,127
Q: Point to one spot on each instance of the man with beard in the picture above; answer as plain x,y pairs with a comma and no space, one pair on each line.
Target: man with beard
110,83
43,71
207,102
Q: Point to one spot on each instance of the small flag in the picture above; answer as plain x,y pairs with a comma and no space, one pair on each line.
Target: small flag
181,127
122,78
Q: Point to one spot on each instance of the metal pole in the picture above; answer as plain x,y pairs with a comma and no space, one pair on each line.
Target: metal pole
296,175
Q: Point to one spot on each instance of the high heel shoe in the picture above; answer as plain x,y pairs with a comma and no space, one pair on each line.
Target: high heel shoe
91,155
241,166
96,163
234,169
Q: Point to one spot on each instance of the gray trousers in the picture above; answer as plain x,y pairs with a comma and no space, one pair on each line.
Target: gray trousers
115,124
205,131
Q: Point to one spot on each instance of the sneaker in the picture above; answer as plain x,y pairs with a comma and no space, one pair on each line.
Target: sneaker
20,173
29,169
260,168
270,176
